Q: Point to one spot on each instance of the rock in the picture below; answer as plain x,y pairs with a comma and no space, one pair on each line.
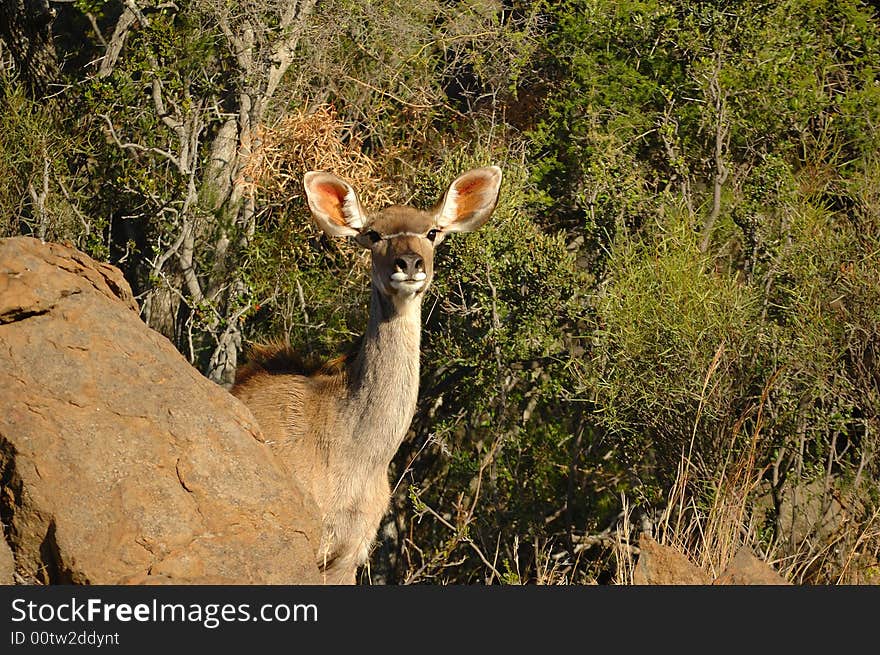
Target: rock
661,565
810,509
119,462
7,564
746,569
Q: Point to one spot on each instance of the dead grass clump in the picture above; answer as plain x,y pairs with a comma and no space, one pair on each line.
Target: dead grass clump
822,534
835,539
312,140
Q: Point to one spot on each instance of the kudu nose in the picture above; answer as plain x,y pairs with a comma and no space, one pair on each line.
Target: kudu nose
409,264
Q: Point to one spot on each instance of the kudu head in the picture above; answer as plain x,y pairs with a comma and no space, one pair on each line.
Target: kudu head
402,239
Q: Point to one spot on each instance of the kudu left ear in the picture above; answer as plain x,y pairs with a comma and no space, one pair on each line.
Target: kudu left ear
470,200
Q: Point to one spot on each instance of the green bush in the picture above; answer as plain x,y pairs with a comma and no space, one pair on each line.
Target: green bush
673,311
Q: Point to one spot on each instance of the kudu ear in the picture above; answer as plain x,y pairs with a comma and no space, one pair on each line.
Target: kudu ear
334,204
470,200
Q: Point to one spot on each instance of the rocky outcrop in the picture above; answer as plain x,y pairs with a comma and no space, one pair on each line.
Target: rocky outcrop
119,463
7,564
746,569
662,565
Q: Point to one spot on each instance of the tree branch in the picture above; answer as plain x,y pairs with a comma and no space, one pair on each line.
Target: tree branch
126,21
137,146
722,138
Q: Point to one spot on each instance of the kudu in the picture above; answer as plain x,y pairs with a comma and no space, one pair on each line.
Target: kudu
337,427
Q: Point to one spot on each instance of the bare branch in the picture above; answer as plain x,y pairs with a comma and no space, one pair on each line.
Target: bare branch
186,258
126,22
39,200
136,146
160,261
387,94
159,103
282,55
722,139
131,6
461,536
85,220
96,29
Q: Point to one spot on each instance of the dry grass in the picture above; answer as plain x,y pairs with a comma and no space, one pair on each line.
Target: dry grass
709,536
710,533
313,140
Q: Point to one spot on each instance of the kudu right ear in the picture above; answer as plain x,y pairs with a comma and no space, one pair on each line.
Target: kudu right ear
334,204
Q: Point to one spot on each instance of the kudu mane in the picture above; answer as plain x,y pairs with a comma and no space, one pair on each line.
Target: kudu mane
280,358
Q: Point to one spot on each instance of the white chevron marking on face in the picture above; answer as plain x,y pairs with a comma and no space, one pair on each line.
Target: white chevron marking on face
402,234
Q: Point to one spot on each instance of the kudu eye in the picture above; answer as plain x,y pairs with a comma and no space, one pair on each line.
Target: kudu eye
374,236
431,235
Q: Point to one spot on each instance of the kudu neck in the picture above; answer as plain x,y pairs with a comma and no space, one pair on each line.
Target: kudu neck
385,314
391,342
384,377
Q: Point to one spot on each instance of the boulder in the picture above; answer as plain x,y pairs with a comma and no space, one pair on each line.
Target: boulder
7,564
746,569
119,462
661,565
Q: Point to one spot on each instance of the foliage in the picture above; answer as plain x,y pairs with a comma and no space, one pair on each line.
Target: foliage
705,150
39,168
670,324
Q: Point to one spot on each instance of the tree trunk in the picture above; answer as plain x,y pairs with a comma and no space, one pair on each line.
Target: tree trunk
223,187
26,34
